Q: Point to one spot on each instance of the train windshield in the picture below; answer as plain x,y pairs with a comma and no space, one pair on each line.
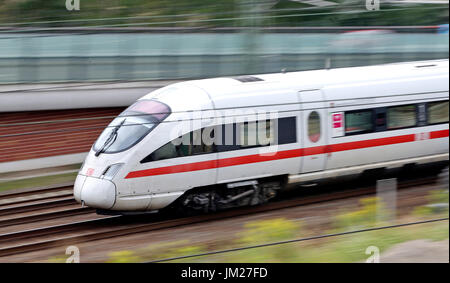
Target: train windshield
131,126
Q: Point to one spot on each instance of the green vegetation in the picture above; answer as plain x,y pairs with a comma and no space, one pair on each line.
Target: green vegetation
349,248
362,218
211,13
438,203
38,181
124,257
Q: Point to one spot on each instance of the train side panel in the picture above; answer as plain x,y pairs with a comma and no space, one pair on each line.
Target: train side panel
385,144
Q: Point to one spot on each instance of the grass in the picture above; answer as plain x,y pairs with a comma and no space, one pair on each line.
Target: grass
38,181
348,248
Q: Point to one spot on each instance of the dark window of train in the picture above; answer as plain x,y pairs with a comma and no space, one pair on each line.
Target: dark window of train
193,143
421,114
437,112
277,131
259,133
287,130
358,122
314,126
399,117
167,151
202,141
228,137
380,119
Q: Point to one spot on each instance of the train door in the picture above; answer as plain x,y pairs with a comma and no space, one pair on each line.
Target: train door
314,136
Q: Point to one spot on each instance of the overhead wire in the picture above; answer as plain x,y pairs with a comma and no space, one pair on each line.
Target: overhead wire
350,12
170,16
298,240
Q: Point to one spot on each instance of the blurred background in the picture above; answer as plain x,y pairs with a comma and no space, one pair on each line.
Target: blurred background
65,73
129,40
69,59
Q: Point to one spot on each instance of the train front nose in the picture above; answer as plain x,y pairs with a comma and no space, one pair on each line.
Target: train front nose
95,192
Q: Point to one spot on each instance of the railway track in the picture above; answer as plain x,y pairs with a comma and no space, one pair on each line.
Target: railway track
32,195
25,206
40,204
37,217
115,226
34,206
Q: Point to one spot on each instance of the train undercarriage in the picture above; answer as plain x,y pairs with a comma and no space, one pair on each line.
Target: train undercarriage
247,193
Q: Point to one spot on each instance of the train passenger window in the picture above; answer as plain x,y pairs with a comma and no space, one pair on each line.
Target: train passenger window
165,152
437,112
193,143
287,130
183,146
248,134
227,137
202,141
358,122
266,132
218,138
314,126
381,119
260,133
401,117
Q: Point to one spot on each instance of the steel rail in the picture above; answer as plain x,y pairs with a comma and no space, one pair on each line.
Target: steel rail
45,216
35,191
115,226
39,205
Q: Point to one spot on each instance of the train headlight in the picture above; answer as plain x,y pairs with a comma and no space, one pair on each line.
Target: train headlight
111,171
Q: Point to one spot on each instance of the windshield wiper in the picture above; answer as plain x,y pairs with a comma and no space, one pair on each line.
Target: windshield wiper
111,139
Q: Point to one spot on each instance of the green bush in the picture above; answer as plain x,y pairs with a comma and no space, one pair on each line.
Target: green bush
123,257
371,211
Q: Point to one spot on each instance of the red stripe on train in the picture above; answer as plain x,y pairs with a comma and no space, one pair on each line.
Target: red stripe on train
255,158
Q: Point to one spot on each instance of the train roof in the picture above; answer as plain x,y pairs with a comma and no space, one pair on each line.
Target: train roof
266,88
327,77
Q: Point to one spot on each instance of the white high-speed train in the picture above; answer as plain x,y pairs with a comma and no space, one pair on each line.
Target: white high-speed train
224,142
